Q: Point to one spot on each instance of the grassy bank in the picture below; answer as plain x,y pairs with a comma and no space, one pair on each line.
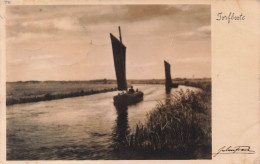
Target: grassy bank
179,129
180,81
34,91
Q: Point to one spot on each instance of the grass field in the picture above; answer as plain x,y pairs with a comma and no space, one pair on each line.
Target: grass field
23,92
34,91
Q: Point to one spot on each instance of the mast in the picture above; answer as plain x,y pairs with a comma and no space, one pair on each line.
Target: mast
119,51
120,34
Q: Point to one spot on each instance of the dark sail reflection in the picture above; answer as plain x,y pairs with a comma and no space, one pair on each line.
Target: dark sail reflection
168,90
121,128
168,98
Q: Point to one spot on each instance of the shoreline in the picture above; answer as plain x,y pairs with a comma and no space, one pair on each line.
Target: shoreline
49,97
29,92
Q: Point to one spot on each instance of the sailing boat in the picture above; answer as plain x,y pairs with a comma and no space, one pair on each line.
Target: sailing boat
119,54
168,78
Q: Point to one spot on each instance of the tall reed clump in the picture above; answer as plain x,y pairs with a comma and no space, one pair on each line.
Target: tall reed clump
181,126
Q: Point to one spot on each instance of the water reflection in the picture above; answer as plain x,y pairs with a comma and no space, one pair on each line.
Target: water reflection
168,99
168,96
168,90
121,128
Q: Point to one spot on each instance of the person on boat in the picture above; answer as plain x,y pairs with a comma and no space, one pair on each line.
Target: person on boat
131,90
136,90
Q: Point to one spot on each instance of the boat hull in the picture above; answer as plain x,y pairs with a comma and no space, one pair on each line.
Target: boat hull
128,98
175,85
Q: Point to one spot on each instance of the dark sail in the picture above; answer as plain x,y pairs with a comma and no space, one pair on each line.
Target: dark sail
119,51
168,78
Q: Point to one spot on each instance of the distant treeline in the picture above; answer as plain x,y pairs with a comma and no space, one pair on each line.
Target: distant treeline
98,81
180,81
48,96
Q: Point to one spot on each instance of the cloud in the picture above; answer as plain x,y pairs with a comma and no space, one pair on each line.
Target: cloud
44,27
201,32
74,40
49,19
130,13
193,60
134,13
204,31
141,65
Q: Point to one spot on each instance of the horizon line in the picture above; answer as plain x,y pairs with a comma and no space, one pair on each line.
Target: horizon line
103,79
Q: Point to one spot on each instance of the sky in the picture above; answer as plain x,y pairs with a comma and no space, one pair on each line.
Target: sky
73,43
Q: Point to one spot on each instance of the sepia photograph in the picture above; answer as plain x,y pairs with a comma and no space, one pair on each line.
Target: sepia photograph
108,82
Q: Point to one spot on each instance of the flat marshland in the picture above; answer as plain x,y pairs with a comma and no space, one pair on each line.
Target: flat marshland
34,91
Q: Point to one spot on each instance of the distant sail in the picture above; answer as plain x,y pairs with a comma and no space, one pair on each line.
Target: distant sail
168,78
119,51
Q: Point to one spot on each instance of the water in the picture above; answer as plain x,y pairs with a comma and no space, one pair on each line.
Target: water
87,127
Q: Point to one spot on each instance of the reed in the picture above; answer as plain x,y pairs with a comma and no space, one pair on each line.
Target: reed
181,126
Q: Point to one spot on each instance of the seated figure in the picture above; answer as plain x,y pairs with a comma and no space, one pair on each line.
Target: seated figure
131,90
